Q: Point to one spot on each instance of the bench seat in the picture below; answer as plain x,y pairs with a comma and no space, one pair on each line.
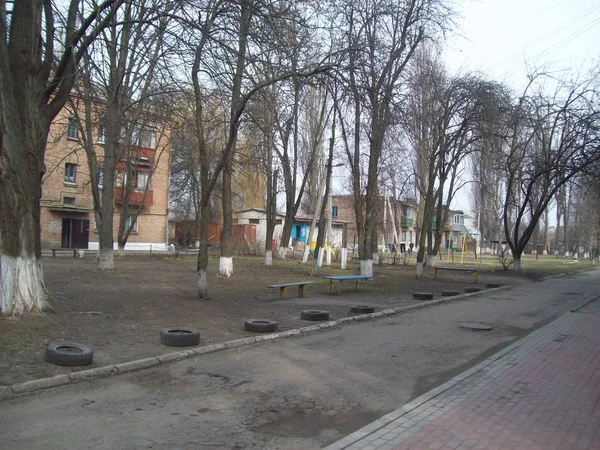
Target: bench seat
341,278
64,250
283,288
456,269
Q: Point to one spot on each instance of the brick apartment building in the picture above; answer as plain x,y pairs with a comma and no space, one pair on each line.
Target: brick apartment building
67,209
405,213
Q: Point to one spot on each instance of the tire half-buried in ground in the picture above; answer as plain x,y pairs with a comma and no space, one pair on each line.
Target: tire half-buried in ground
422,296
362,309
450,293
470,290
65,353
179,337
260,325
314,314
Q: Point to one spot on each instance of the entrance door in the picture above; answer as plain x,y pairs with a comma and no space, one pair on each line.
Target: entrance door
75,233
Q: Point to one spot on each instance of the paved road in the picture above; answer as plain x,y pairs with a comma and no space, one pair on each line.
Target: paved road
540,393
301,393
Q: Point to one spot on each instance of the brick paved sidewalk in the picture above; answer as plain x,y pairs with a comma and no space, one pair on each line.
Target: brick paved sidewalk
542,392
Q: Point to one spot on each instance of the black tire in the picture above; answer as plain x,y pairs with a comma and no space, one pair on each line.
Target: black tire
422,296
65,353
450,293
470,290
260,325
363,309
179,337
314,314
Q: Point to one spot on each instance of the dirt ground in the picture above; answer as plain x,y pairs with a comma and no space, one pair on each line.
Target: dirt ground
120,314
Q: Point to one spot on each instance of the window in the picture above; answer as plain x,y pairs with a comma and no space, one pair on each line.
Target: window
334,211
403,238
144,138
278,221
101,136
459,219
141,180
337,226
73,128
254,221
100,178
120,179
129,220
69,201
70,172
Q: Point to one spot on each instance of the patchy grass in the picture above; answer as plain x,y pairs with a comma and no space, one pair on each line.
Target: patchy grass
16,341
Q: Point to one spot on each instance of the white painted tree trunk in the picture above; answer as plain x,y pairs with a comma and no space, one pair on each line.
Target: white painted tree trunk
320,262
344,258
121,251
281,252
225,266
328,256
419,269
202,284
268,257
376,258
517,264
106,259
306,253
22,287
431,260
366,267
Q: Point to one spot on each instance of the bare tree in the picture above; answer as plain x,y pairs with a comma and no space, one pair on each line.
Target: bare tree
208,50
381,38
553,138
118,86
36,79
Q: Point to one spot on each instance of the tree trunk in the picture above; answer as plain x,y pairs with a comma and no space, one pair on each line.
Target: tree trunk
271,212
22,286
517,262
202,266
226,259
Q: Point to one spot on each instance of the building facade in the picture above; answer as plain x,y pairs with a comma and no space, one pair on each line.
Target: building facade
398,214
67,208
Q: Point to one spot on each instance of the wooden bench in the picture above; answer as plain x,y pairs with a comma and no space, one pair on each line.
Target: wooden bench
341,278
62,250
283,288
456,269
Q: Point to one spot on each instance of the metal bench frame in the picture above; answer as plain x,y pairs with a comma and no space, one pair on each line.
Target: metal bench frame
341,278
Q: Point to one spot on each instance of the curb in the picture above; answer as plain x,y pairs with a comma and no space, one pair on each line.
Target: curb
139,364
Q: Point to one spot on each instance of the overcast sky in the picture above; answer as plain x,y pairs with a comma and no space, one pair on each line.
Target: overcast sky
501,38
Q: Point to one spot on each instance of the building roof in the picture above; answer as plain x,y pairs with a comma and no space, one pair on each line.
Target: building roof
308,218
258,210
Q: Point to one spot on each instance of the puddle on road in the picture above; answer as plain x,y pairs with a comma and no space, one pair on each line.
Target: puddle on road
302,423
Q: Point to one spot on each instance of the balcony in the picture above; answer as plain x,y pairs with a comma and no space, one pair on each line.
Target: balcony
407,222
136,198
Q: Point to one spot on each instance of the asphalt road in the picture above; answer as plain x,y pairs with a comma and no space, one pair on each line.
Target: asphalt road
299,393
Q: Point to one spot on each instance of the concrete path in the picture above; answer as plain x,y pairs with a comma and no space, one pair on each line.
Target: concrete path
540,393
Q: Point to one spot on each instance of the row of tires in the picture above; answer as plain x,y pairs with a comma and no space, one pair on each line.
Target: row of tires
269,326
64,353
